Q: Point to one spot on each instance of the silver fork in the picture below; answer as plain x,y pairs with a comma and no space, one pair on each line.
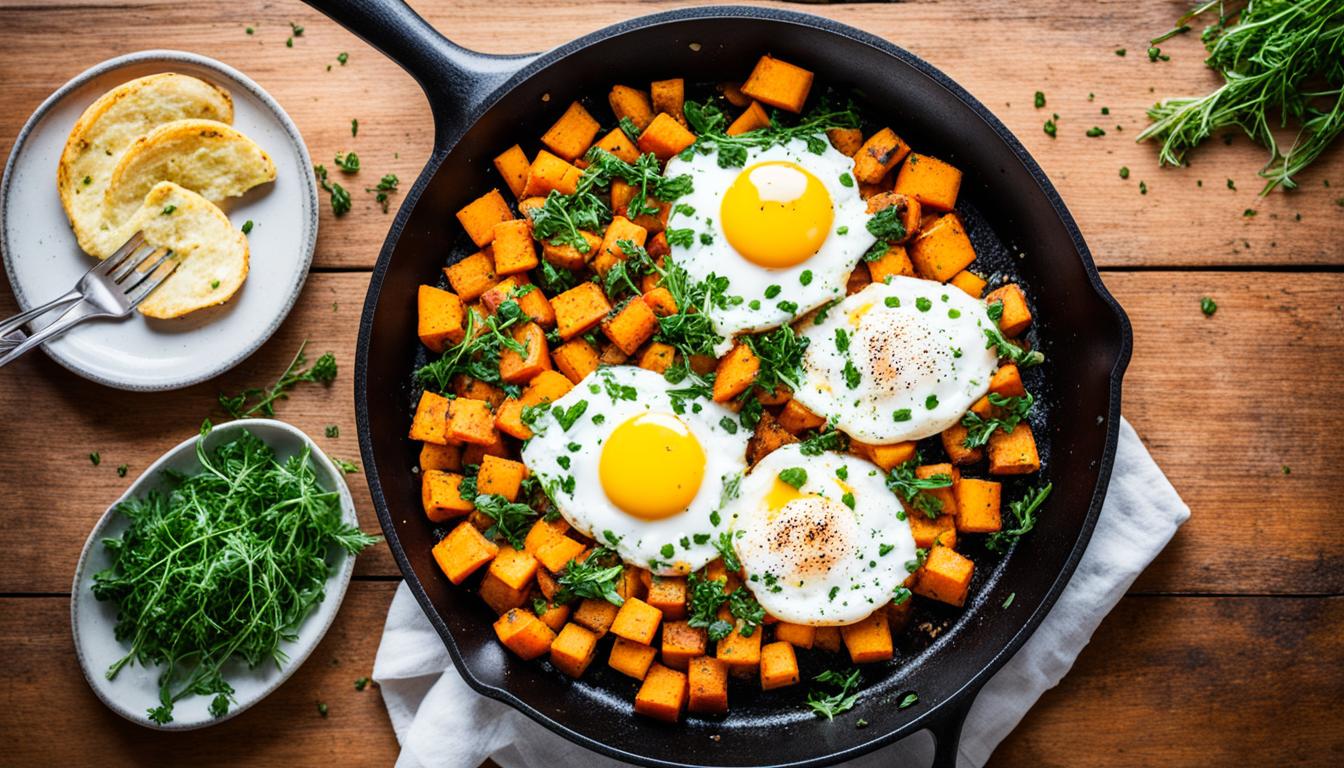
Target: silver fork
113,288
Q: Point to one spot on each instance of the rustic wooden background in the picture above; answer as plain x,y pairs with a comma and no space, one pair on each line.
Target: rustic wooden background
1227,650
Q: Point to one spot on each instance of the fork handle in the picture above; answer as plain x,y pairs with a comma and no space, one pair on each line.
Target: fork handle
55,328
17,321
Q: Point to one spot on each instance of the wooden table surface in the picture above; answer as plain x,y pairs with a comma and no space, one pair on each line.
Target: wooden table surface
1229,649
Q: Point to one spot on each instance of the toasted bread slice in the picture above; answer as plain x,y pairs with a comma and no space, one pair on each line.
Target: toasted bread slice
213,254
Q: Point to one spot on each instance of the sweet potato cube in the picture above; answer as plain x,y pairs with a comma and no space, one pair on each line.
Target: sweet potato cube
888,457
551,173
663,694
521,367
475,389
630,584
528,297
929,180
513,248
878,155
779,666
797,418
1016,314
736,371
660,300
480,216
1013,453
978,505
668,594
513,164
544,532
547,387
568,256
575,358
942,249
752,119
572,133
622,194
797,635
619,145
669,96
846,140
928,531
595,614
971,283
440,496
430,422
895,262
827,639
573,650
471,421
631,658
681,643
637,621
473,275
665,137
1007,381
945,576
632,103
633,325
579,310
657,357
502,477
768,437
463,551
869,640
445,458
858,279
523,633
708,681
954,438
779,84
738,652
556,554
554,616
898,614
500,596
610,251
473,453
439,318
514,567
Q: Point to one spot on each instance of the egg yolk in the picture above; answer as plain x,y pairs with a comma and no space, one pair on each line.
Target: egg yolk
776,214
651,466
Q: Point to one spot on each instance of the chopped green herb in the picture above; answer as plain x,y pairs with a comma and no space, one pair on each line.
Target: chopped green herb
845,693
342,58
794,476
253,401
1208,306
1124,171
95,458
361,683
247,227
1040,99
347,162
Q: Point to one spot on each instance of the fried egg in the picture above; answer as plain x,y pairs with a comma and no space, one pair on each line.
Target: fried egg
786,229
637,469
819,537
900,360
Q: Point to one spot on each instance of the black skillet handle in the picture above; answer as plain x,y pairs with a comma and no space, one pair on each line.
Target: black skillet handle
946,730
455,80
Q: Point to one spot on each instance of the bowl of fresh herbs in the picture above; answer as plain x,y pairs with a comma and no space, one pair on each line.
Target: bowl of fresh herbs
212,578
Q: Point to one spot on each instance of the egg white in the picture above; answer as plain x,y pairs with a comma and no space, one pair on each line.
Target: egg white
815,560
932,363
691,532
829,268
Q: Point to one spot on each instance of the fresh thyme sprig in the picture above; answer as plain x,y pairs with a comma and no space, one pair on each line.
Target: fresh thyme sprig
254,400
1024,515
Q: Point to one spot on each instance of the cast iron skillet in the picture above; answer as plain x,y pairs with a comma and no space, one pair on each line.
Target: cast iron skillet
482,104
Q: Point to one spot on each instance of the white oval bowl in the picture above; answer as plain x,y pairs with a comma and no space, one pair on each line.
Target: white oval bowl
136,689
43,260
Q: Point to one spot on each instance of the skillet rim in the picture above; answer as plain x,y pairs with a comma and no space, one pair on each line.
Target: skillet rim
944,718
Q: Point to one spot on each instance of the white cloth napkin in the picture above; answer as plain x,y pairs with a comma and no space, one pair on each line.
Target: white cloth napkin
442,723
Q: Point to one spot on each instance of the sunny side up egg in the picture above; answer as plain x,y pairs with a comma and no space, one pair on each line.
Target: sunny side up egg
638,471
785,229
819,537
900,360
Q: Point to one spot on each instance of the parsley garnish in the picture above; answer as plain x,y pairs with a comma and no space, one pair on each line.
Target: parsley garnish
711,124
842,700
590,578
477,355
512,519
340,198
886,226
347,162
794,476
1024,514
903,482
1012,411
383,192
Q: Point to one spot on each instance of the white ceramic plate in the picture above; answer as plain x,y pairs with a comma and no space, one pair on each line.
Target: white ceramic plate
43,260
136,690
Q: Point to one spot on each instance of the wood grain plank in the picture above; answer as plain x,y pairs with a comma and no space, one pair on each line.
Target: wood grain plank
47,694
1200,662
1195,681
1223,403
1002,51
